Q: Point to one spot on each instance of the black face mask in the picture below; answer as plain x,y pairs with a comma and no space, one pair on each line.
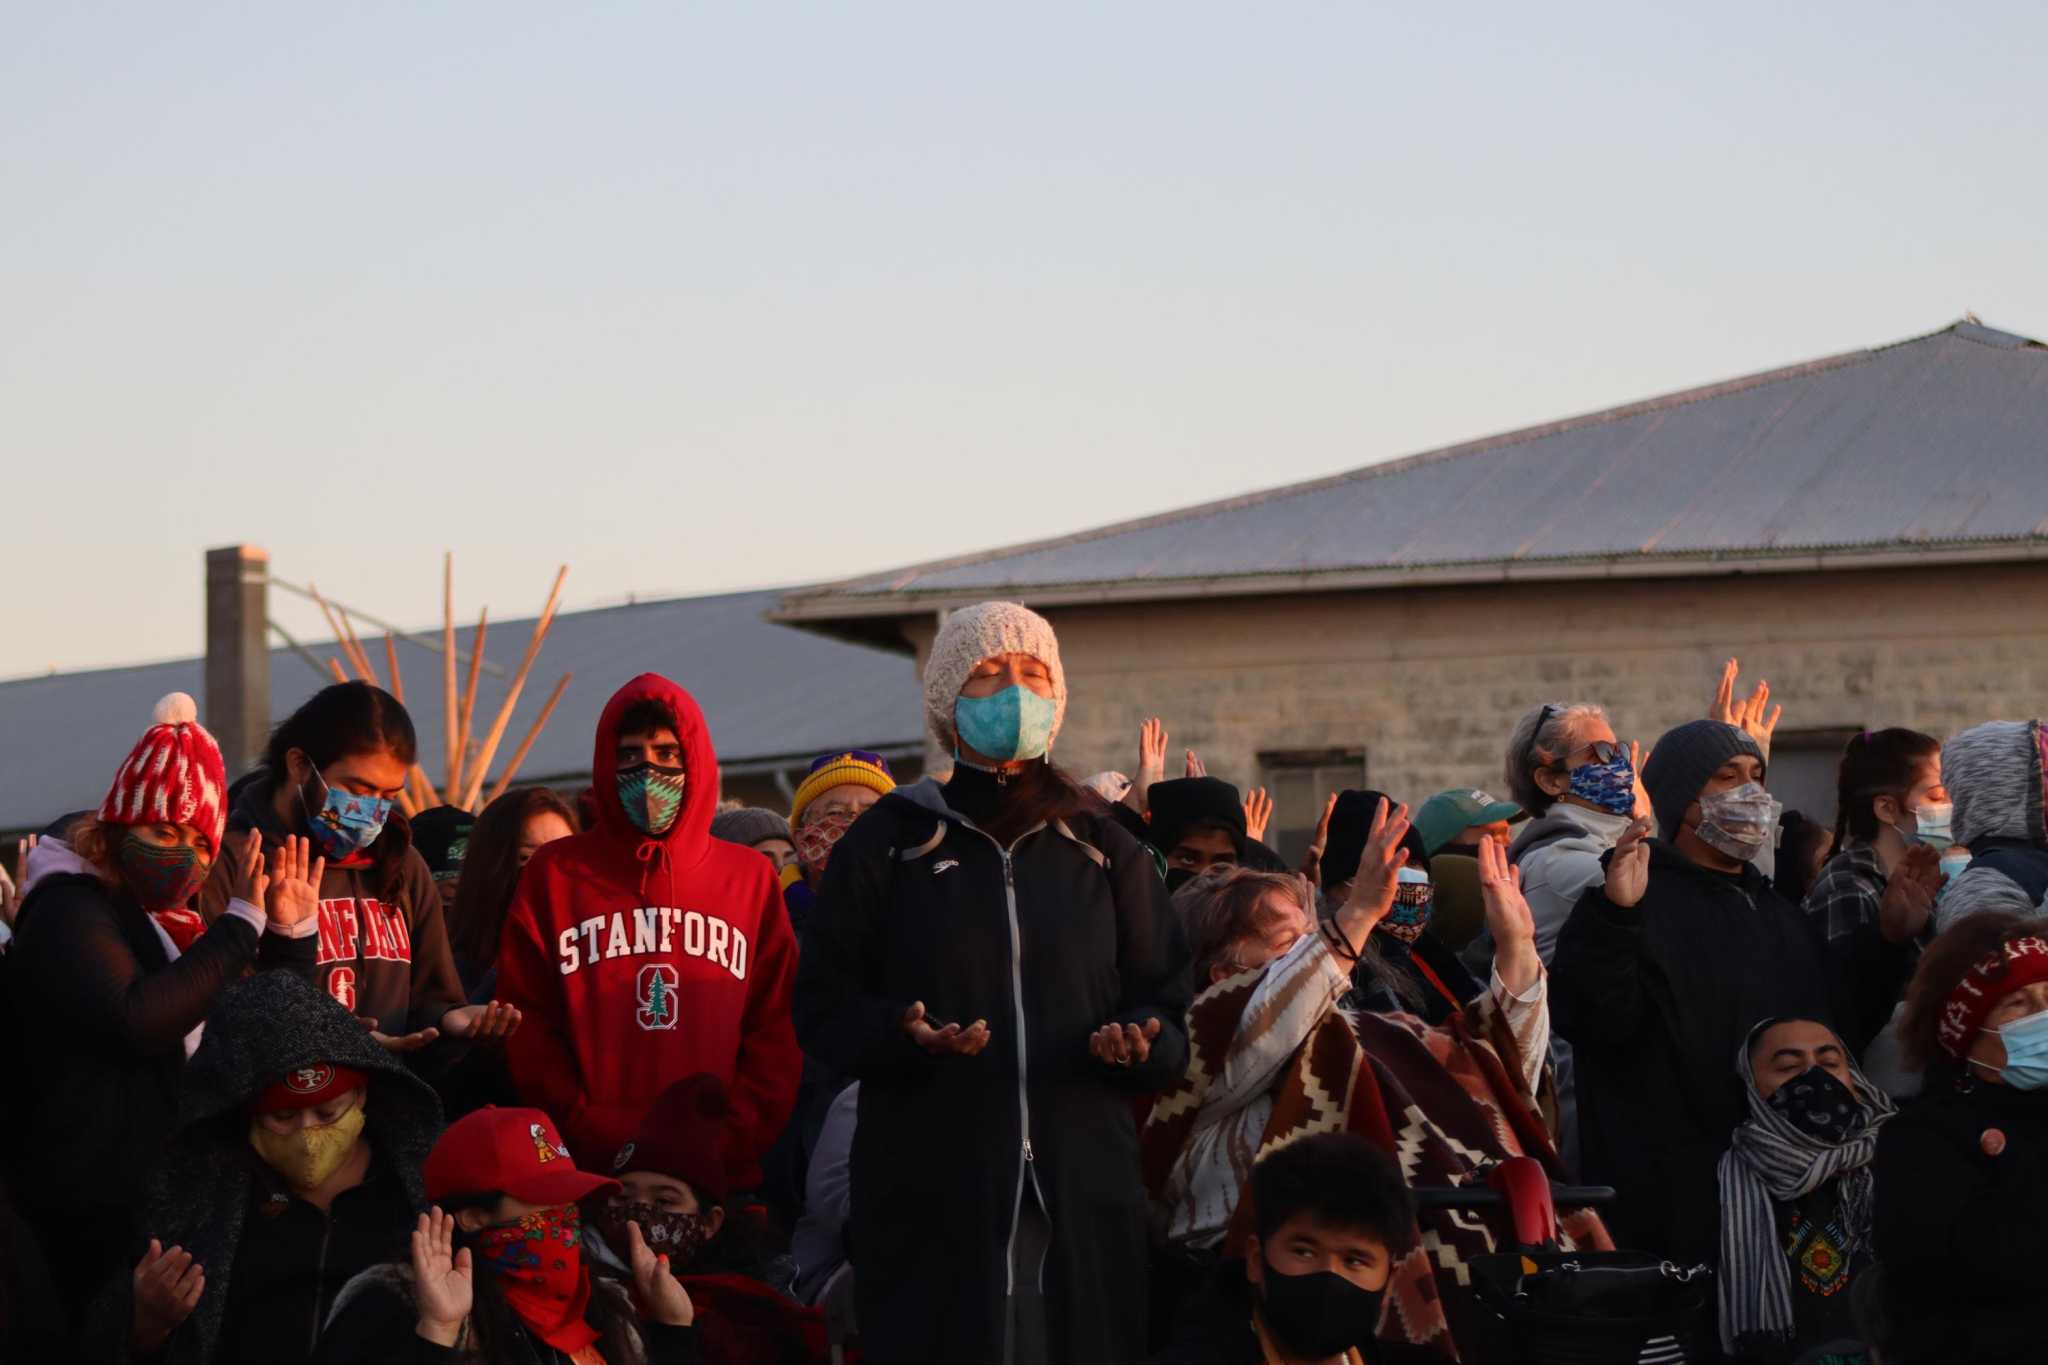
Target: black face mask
1320,1314
1818,1105
1177,877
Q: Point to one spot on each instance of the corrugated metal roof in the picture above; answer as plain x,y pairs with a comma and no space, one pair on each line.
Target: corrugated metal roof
769,693
1938,441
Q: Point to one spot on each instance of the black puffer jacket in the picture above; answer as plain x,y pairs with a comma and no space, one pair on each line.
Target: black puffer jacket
214,1197
1066,931
1657,1000
95,988
1962,1223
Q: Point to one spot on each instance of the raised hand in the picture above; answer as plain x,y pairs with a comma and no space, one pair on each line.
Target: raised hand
294,894
1258,813
1195,766
944,1040
1753,715
1628,871
1379,873
10,899
1151,764
250,882
444,1282
659,1295
492,1023
1908,900
1508,918
1635,763
168,1285
1123,1044
1312,860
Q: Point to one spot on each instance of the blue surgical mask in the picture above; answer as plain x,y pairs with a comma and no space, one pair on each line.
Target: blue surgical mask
1952,867
1609,786
345,823
2026,1052
1012,724
1931,823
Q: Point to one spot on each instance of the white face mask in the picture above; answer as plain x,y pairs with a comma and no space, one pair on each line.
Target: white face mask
1738,822
1931,824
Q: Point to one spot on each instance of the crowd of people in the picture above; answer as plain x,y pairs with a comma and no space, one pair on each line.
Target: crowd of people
1008,1066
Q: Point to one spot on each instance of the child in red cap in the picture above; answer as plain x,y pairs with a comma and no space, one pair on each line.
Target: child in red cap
672,1188
497,1270
118,972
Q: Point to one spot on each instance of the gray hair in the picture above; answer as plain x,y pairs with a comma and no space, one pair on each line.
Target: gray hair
1219,907
1541,738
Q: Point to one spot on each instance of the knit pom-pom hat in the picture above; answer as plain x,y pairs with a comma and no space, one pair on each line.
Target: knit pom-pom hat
846,768
173,776
982,632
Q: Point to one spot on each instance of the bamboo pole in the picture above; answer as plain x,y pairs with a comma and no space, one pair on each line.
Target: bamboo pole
362,656
428,797
532,734
313,590
474,782
452,773
334,667
408,805
465,750
391,662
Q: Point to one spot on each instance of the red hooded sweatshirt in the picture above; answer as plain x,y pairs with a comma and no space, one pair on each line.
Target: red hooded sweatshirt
638,961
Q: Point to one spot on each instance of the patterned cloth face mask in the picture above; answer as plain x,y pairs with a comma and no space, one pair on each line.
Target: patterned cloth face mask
162,876
1609,782
346,823
1738,822
678,1236
1414,899
1818,1105
816,840
652,797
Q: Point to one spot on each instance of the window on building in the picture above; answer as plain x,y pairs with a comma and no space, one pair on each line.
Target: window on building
1803,768
1300,781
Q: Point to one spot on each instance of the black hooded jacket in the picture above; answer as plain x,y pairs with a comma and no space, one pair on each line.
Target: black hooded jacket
93,985
1065,932
273,1263
1962,1223
1657,1000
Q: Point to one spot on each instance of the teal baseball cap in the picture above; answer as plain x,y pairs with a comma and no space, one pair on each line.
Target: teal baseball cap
1448,814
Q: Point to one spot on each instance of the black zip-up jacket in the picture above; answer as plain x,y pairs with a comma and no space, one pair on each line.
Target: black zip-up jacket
274,1264
1066,931
1657,1000
1962,1223
108,1012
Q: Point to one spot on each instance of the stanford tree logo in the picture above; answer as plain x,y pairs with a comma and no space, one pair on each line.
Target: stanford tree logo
657,987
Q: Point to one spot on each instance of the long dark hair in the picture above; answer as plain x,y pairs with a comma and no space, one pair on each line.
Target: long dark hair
1038,792
496,1327
1876,763
490,872
336,722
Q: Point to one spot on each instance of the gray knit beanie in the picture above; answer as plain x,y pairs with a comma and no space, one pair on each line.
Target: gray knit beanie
749,825
982,632
1681,764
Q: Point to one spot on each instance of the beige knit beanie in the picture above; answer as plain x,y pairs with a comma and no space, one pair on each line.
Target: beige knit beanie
982,632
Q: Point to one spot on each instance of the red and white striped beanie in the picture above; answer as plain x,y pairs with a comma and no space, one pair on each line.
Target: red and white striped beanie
174,775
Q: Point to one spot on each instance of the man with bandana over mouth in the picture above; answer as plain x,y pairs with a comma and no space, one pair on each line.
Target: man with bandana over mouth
644,951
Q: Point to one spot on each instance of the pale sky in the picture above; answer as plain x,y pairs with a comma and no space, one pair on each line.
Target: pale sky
701,297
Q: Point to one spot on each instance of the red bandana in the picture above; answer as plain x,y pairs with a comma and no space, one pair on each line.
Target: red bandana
2019,962
183,926
539,1262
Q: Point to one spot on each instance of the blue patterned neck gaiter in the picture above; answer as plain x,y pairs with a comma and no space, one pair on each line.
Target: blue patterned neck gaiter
652,796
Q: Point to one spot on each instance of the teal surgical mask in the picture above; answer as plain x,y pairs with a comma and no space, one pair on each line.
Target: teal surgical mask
1952,867
2026,1052
1015,723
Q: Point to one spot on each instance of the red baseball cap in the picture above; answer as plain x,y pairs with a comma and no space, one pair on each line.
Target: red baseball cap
510,1151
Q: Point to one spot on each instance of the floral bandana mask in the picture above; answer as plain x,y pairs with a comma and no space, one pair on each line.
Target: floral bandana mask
1414,898
815,841
678,1236
538,1259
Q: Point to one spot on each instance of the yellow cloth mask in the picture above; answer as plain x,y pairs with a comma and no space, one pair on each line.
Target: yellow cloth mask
306,1157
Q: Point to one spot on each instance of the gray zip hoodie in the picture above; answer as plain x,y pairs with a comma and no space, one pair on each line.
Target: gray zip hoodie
1993,774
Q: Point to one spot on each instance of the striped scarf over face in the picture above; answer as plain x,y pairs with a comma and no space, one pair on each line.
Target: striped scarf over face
1769,1162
